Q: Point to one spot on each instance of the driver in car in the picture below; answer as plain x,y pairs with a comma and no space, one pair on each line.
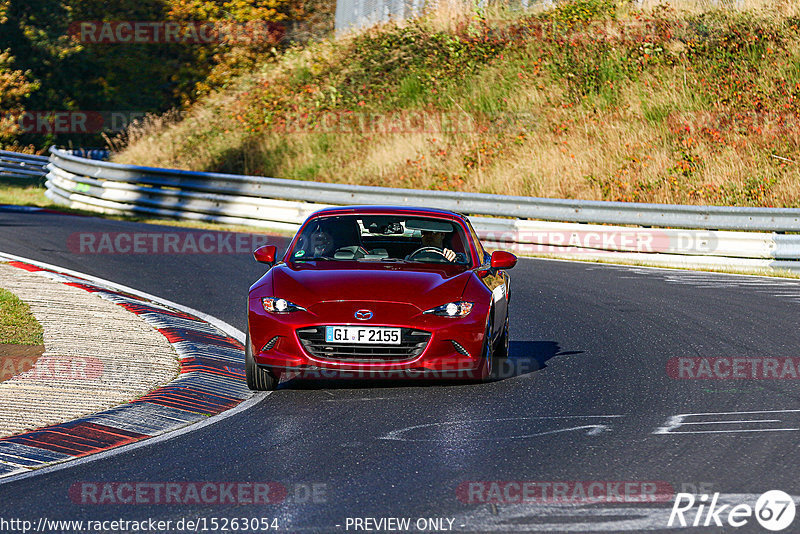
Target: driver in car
321,244
327,240
436,239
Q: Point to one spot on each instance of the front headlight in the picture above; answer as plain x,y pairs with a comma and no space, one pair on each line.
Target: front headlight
278,305
452,309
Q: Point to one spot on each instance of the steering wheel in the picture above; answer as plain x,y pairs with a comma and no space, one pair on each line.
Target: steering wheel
427,249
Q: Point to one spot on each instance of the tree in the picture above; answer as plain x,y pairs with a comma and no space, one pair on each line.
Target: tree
15,88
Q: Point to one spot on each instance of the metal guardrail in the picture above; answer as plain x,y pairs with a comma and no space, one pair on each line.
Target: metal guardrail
91,153
16,165
676,234
232,188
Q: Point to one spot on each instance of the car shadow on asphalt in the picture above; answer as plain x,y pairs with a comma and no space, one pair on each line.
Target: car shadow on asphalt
524,357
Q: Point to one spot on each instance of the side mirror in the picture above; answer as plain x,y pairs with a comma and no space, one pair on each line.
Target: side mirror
265,254
503,260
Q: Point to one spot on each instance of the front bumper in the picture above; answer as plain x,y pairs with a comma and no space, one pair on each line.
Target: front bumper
453,350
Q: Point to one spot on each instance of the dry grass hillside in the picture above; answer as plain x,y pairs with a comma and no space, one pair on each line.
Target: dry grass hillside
692,102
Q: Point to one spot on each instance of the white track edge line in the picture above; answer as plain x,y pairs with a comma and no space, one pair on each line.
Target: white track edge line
156,438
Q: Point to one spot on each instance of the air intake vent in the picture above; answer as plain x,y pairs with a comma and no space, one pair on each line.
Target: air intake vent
412,343
459,348
270,343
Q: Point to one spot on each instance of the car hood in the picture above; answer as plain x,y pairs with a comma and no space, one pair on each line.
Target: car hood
421,286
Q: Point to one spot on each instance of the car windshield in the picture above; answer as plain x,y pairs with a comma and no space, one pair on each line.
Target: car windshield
381,238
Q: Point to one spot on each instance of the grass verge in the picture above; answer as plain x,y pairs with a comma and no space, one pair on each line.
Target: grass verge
17,323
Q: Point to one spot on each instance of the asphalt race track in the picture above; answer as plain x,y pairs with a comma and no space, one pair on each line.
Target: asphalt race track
589,399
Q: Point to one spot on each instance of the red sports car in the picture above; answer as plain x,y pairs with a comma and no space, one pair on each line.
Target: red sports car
379,291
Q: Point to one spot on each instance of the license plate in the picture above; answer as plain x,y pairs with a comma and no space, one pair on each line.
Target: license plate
362,334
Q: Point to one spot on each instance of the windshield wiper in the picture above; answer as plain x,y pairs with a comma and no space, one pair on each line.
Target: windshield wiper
315,258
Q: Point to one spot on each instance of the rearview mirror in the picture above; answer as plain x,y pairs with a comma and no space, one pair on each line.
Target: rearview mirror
503,260
265,254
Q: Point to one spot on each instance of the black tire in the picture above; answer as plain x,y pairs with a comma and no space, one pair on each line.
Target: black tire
258,378
501,351
488,353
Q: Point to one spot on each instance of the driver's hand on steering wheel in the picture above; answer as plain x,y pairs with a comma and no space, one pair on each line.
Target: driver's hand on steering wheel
449,254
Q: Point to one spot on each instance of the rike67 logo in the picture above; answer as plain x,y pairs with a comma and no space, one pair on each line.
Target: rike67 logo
774,510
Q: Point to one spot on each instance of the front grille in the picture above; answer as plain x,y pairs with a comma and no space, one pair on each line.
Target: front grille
412,343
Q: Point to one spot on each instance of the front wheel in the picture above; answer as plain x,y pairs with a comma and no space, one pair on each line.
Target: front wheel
258,379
